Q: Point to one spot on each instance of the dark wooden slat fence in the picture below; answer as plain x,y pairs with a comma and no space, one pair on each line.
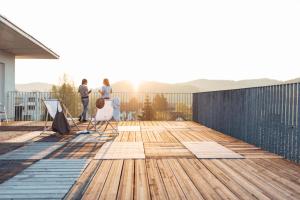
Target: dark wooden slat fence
268,117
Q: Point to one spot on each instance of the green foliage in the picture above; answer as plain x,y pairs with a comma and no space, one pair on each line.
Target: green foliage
160,103
160,107
67,93
147,110
132,105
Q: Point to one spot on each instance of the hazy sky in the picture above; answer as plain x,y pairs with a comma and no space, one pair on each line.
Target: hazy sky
160,40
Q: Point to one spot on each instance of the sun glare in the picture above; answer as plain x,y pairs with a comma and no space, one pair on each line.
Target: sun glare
136,84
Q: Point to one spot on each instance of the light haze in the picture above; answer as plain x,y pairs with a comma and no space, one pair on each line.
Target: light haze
160,40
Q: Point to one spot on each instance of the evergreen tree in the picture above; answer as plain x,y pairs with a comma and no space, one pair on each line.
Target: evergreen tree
147,110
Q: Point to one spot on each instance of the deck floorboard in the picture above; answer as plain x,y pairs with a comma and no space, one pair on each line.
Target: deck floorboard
166,170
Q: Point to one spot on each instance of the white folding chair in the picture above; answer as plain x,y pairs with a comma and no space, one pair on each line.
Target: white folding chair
103,117
3,112
54,105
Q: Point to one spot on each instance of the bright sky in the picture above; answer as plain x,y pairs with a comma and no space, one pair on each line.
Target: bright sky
160,40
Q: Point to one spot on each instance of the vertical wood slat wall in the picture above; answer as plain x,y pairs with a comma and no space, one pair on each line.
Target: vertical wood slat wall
268,117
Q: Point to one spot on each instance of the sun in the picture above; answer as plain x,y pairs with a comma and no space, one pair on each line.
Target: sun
136,84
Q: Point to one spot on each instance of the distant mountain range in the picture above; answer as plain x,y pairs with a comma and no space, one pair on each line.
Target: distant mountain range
200,85
34,87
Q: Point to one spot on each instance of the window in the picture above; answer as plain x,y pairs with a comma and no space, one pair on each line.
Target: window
31,107
31,99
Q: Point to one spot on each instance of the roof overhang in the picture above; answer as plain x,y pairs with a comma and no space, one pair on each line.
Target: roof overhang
17,42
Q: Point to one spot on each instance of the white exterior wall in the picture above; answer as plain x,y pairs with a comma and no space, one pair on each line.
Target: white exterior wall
9,83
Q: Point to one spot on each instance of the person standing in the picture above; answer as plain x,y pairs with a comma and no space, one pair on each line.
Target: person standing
105,90
84,93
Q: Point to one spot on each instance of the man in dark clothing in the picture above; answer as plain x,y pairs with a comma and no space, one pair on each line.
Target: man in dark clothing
84,93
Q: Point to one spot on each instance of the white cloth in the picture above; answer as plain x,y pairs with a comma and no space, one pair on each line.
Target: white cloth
105,113
52,105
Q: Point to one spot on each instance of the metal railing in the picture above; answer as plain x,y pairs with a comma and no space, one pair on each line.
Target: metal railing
268,117
28,106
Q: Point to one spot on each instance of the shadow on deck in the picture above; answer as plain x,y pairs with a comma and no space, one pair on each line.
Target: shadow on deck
170,169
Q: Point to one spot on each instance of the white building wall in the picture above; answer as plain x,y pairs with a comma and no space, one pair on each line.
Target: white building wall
9,83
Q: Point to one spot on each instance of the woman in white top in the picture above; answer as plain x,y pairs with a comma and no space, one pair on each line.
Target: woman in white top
105,90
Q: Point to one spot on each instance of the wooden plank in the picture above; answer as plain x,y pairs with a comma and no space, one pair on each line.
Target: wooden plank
53,138
181,177
210,150
157,188
119,137
235,182
125,136
208,185
138,137
131,137
89,138
276,168
151,136
166,150
141,185
189,189
158,136
145,136
24,138
129,128
77,150
110,189
267,188
37,150
121,150
96,185
281,182
171,184
76,192
272,189
127,181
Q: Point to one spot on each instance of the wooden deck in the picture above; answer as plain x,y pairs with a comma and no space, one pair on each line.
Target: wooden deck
169,170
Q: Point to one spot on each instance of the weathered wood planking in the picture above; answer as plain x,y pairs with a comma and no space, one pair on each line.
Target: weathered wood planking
121,150
208,185
156,185
170,181
141,184
34,151
76,151
78,189
46,179
166,150
24,138
248,150
129,128
126,186
95,187
53,138
210,150
170,170
7,135
101,138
